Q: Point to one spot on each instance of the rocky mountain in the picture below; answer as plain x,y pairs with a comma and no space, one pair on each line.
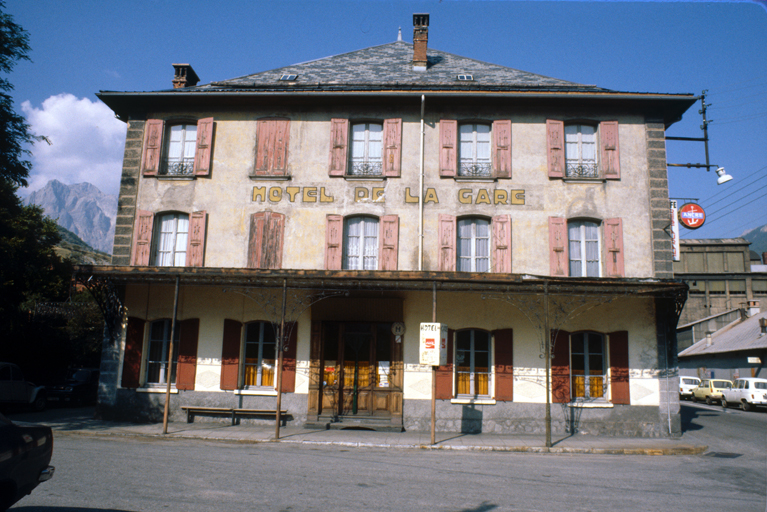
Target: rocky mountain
82,208
758,239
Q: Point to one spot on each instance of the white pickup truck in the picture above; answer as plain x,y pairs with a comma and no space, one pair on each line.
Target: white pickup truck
747,393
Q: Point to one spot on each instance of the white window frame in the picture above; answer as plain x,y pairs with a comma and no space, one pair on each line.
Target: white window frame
473,260
179,149
164,340
586,368
582,243
472,161
170,241
366,155
576,165
360,250
260,343
472,366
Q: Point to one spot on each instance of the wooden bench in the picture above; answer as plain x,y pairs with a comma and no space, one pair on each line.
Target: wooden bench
191,410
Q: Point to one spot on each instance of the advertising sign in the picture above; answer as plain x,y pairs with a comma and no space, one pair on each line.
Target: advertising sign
692,216
675,231
433,348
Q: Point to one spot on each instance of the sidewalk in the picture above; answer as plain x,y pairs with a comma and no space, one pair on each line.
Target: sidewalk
81,422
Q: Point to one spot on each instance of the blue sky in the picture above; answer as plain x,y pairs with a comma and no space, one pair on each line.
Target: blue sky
81,47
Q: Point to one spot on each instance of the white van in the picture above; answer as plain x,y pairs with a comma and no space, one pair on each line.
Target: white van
686,385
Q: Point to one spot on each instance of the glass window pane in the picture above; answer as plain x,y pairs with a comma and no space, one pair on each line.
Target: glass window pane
576,343
463,340
577,362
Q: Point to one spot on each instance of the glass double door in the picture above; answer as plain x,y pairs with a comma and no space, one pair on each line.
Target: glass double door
356,369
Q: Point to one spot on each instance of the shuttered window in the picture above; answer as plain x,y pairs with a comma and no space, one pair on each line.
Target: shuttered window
473,371
178,149
360,243
266,240
157,372
473,245
587,365
172,235
367,149
474,150
578,151
259,355
584,250
272,147
581,151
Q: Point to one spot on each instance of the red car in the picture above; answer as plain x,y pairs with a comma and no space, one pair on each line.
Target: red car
25,455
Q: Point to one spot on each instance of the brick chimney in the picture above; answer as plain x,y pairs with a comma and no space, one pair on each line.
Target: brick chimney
184,76
753,307
420,40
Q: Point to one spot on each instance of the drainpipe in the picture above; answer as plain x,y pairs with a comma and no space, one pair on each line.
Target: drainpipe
420,192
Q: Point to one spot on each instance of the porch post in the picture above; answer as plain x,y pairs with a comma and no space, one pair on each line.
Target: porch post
433,368
169,371
547,337
280,347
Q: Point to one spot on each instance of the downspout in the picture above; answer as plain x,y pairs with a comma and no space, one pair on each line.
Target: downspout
420,192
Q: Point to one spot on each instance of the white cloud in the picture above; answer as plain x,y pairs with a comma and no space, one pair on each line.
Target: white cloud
87,143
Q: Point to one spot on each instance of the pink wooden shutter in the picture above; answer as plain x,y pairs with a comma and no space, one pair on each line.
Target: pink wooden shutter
230,354
389,241
610,159
448,154
334,233
142,238
273,240
134,344
392,147
256,241
555,137
264,146
614,248
502,149
620,392
444,375
279,163
289,359
188,334
195,245
202,155
559,265
150,157
504,364
447,236
560,368
502,244
339,135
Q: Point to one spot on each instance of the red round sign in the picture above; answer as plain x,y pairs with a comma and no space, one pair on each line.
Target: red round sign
692,216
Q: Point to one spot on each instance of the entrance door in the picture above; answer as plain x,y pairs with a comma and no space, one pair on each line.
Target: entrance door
360,370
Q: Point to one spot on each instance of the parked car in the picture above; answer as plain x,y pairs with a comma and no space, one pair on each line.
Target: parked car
686,385
80,387
710,390
25,456
747,393
15,389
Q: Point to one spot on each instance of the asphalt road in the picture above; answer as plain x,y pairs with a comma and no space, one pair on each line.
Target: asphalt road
130,474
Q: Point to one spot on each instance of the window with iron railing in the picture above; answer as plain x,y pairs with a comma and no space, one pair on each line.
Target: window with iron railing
180,146
367,141
474,159
581,151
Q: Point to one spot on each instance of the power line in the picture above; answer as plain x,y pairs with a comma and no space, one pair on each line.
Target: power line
736,209
734,191
740,88
728,188
756,220
741,119
732,203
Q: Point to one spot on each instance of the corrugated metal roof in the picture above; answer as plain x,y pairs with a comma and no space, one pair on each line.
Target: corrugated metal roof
737,336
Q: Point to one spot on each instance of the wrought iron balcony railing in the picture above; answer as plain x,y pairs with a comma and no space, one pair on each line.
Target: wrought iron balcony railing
366,168
475,169
183,167
582,170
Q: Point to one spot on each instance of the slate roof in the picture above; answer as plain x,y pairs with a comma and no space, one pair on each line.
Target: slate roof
735,337
391,64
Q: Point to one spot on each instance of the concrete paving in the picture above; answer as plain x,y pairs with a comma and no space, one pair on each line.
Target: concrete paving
81,421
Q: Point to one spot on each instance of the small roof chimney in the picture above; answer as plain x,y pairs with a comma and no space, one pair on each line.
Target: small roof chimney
184,76
420,41
753,307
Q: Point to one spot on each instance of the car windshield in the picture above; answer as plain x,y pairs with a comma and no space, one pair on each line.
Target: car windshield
722,384
760,385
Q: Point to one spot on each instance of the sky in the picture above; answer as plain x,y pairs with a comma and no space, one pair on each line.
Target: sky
81,46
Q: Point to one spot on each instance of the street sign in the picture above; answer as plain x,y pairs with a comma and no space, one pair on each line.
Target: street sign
675,231
433,349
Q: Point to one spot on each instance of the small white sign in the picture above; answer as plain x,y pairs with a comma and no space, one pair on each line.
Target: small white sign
383,374
675,231
754,360
433,346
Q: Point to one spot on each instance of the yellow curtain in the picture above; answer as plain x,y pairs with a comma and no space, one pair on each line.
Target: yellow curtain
363,376
579,386
251,373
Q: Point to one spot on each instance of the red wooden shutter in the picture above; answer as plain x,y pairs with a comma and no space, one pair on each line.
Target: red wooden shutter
610,158
134,345
614,248
188,334
559,265
279,161
334,233
150,157
392,147
273,240
504,364
619,368
444,375
502,149
560,368
447,236
230,354
339,135
202,155
264,146
195,245
256,241
142,238
289,359
448,155
502,243
555,136
389,242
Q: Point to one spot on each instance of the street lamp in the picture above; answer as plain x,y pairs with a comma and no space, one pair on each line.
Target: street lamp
723,177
